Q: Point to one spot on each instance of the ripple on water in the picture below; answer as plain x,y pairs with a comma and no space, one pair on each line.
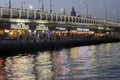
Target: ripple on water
95,62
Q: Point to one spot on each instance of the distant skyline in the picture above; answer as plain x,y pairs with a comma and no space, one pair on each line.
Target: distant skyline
94,8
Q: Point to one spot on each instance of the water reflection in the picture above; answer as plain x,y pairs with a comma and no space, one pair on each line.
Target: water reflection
100,62
3,73
81,63
20,67
61,64
43,66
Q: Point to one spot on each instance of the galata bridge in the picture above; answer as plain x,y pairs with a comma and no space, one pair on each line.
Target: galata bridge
12,19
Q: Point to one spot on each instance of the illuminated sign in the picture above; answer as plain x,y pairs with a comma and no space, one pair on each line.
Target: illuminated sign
60,28
82,29
19,26
41,27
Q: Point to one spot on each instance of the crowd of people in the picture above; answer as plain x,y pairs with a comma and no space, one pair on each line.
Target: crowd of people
58,35
53,36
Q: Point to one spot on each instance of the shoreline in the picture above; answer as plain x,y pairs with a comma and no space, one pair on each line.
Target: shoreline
13,48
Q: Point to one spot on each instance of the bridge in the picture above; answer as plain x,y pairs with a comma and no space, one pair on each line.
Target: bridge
15,18
18,15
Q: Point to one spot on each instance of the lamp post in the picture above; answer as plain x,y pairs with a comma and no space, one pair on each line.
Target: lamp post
42,5
106,14
10,3
22,3
50,6
114,11
82,2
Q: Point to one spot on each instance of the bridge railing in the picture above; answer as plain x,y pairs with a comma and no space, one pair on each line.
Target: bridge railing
37,15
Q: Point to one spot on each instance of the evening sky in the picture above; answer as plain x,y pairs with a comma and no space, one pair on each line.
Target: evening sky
94,8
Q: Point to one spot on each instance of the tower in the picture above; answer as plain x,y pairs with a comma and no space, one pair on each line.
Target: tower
73,12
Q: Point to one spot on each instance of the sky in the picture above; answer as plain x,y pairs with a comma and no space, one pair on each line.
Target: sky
97,8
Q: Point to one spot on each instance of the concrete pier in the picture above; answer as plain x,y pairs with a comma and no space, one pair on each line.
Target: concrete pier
13,48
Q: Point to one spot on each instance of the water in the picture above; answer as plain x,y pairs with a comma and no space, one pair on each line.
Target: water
95,62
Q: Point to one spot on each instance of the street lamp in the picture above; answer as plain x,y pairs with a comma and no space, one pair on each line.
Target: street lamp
105,11
10,3
114,11
30,7
50,6
42,5
82,2
22,3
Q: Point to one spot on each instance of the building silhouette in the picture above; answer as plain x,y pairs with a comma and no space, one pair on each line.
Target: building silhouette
73,12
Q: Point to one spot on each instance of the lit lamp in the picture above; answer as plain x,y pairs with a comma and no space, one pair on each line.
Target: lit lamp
30,7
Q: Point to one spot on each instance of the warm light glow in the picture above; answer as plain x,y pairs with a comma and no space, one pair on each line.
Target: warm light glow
11,33
6,31
31,7
29,31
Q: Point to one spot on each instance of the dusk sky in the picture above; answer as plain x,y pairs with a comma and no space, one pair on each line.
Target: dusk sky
112,7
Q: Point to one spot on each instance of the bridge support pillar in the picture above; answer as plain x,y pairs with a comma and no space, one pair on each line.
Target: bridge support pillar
19,13
10,12
27,14
34,14
0,12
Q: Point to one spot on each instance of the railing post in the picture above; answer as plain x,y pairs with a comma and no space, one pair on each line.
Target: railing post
51,17
64,18
10,9
72,19
40,15
34,14
20,13
86,20
60,18
46,16
82,20
76,19
93,21
56,17
27,12
0,12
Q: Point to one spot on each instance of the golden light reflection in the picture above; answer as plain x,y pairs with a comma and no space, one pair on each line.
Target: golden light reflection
3,73
74,53
108,46
43,58
61,64
92,49
43,66
77,63
20,67
93,54
60,57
